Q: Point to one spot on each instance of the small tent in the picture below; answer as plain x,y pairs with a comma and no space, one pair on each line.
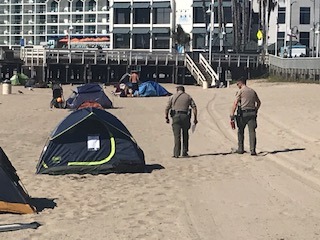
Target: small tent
151,89
13,198
19,79
92,92
91,140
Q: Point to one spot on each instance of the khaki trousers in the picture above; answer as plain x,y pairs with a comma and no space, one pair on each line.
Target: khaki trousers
180,124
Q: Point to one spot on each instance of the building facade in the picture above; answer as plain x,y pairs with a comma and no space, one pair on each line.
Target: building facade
148,25
127,24
298,20
34,22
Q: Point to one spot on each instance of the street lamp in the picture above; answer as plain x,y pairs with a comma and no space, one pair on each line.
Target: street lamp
317,31
69,36
314,26
211,11
221,36
291,29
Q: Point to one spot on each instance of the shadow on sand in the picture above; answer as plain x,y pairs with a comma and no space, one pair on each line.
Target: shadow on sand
150,167
262,153
43,203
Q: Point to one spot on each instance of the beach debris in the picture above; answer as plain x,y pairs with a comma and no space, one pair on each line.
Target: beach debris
20,92
18,226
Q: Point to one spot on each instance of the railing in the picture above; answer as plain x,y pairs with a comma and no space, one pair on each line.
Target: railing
299,68
32,56
194,70
94,56
295,63
236,58
214,76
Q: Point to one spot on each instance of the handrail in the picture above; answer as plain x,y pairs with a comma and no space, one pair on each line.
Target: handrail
194,70
214,76
71,55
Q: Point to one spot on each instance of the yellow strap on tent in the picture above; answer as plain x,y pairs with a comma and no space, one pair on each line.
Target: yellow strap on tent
107,159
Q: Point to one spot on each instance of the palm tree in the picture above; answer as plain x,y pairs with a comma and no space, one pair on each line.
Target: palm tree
181,38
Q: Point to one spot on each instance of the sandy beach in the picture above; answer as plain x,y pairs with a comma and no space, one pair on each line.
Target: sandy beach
213,195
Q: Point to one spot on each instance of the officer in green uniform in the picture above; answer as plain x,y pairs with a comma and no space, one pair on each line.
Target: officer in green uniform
247,104
180,112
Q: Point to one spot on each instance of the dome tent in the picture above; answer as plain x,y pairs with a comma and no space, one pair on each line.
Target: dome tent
91,140
13,197
91,92
151,89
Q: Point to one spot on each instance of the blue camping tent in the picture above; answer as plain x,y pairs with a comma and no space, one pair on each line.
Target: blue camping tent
91,140
151,89
92,92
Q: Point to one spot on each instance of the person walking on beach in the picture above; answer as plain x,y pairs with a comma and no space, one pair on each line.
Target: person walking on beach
178,105
247,104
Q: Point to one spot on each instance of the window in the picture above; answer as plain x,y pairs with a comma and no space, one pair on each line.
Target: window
304,15
281,15
141,41
141,15
122,40
91,29
200,15
198,41
92,18
280,39
79,6
122,16
304,38
161,40
227,11
161,15
92,5
54,7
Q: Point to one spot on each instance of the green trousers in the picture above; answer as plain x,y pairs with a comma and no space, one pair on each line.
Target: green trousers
181,124
242,122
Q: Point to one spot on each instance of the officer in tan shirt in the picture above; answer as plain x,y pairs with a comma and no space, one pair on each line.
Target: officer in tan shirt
247,104
179,104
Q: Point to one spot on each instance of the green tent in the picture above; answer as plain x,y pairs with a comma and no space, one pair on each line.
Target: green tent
19,79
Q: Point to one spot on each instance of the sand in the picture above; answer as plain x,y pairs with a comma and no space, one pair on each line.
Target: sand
212,195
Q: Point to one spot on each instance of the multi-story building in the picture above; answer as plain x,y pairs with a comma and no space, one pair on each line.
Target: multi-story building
298,21
128,24
144,24
32,22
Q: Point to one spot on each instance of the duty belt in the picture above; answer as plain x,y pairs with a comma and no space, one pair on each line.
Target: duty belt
248,110
182,112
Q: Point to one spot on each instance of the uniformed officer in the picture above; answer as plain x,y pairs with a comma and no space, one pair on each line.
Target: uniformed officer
247,104
180,112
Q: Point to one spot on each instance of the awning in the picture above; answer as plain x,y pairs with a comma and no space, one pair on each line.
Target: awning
141,5
140,30
121,5
200,4
121,30
160,30
161,4
198,30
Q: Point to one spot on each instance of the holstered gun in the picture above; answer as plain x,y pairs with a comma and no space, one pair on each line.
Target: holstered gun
239,116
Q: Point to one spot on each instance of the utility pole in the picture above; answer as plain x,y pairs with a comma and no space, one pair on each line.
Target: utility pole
291,31
211,30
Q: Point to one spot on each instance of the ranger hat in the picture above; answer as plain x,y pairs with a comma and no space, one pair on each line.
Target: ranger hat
181,88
